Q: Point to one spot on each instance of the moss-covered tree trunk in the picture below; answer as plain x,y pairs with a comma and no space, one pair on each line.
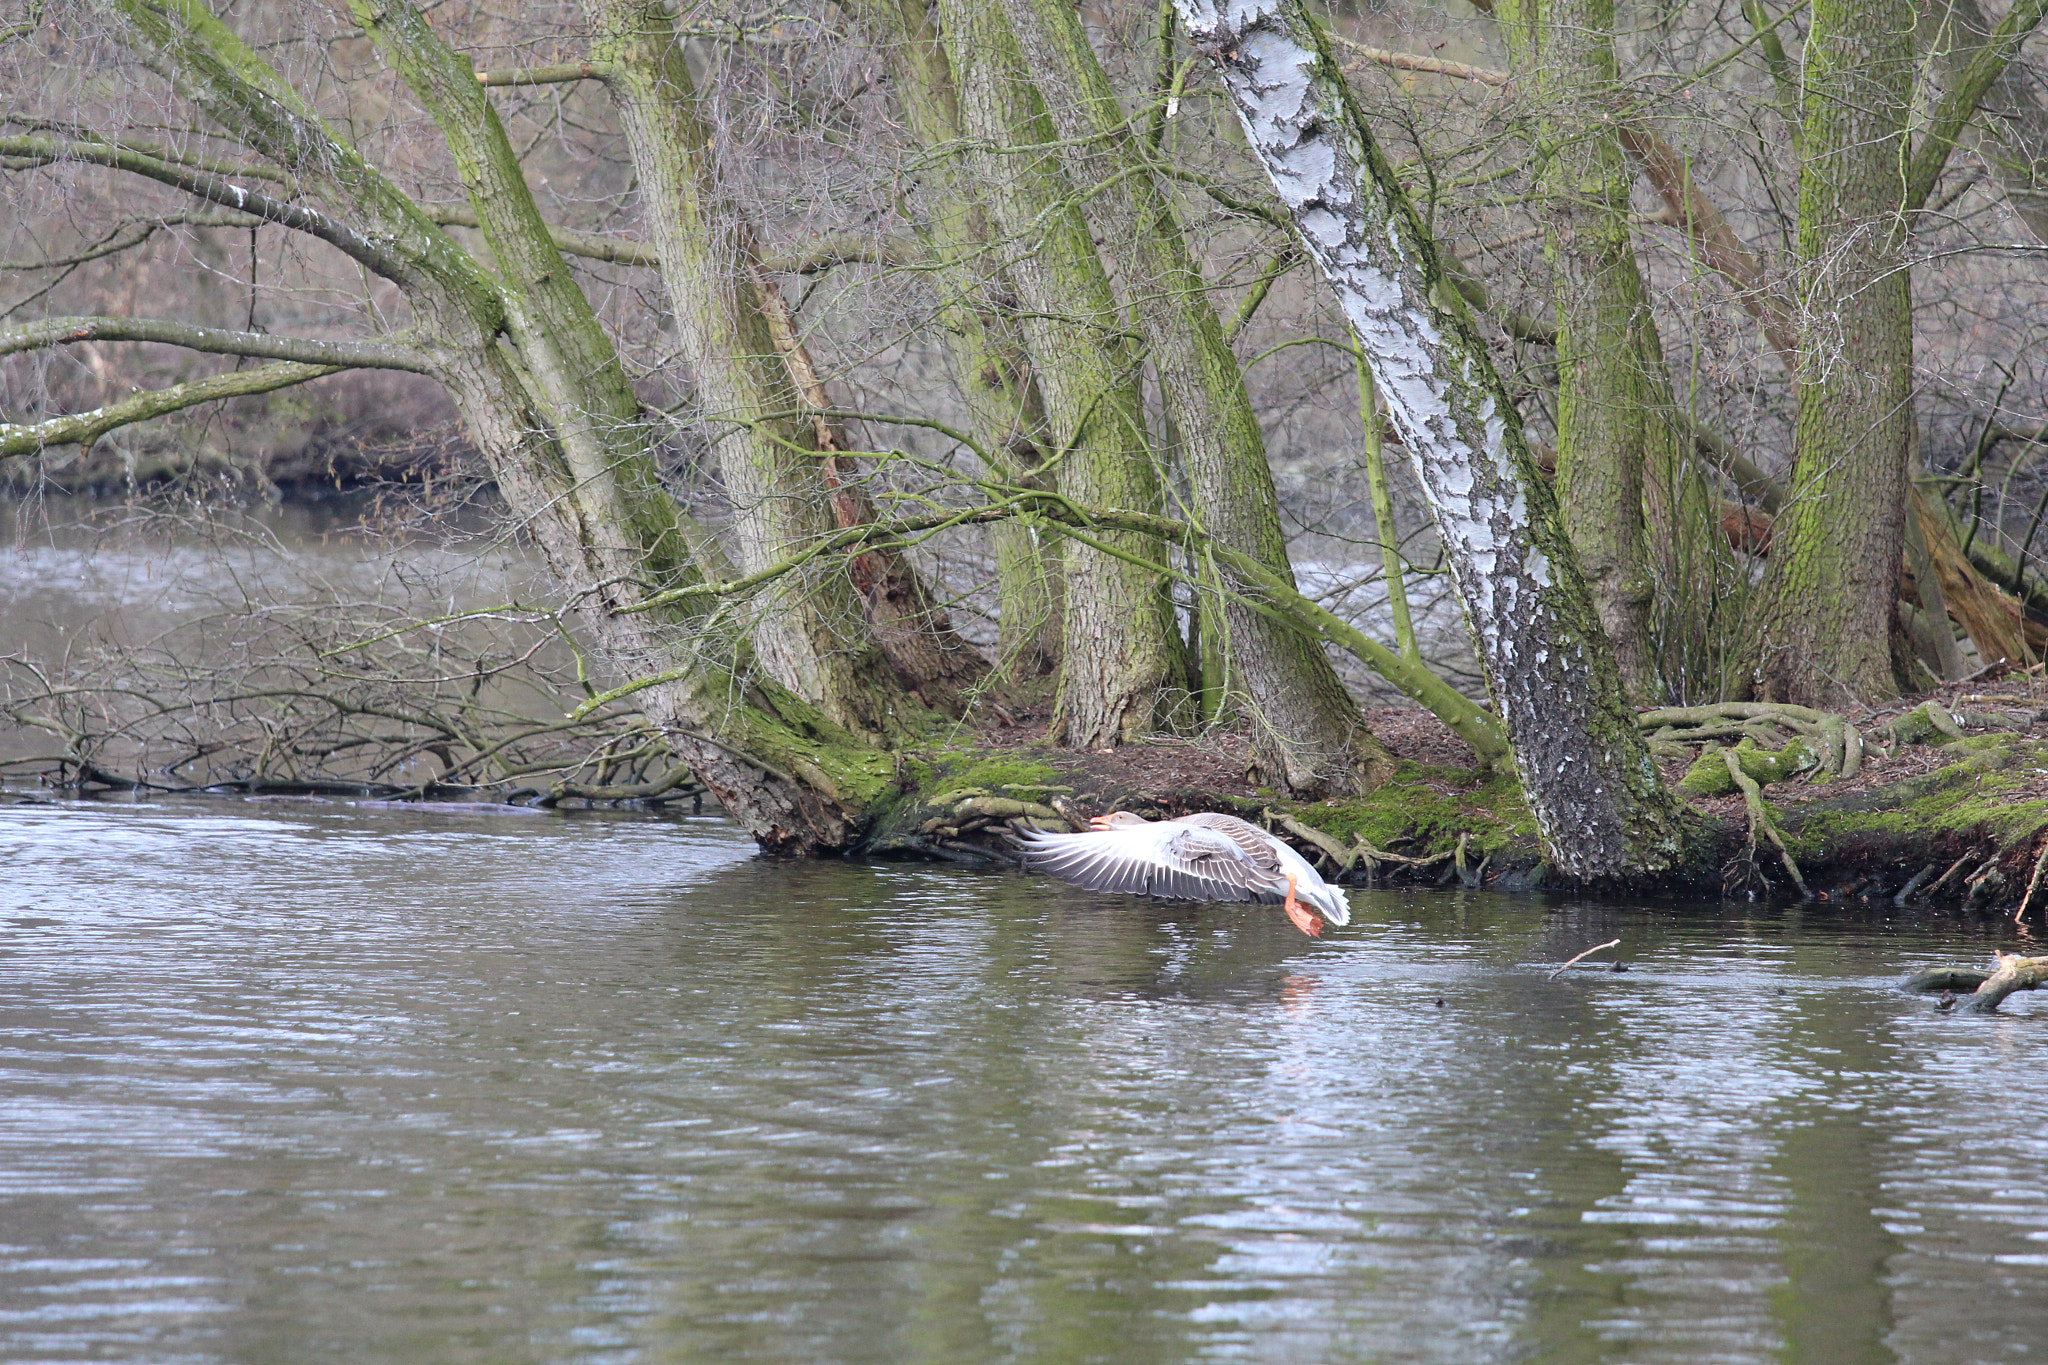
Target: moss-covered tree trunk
1596,796
1123,673
809,625
1614,397
544,399
1307,733
1824,611
984,336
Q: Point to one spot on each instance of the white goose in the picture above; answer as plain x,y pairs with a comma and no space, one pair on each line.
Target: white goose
1202,857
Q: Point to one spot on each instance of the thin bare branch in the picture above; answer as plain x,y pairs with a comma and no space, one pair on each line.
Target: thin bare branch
25,152
84,428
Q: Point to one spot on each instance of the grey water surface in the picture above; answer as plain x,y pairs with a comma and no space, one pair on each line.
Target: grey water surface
302,1082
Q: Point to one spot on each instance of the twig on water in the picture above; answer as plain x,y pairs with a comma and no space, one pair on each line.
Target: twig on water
1611,943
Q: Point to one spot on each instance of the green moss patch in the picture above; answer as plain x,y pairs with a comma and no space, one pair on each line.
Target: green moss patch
952,770
1421,811
1977,797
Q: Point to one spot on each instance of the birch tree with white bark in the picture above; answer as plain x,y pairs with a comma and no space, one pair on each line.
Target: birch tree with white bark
1597,796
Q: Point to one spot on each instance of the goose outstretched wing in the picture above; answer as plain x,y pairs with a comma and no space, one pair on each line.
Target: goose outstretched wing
1171,859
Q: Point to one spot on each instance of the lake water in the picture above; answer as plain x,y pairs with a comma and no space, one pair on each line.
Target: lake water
303,1082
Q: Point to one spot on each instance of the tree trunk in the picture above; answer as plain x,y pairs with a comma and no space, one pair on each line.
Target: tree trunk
931,660
1596,796
1307,734
984,337
1612,405
809,630
1825,607
1124,673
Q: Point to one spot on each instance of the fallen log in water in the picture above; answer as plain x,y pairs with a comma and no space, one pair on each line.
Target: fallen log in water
1987,989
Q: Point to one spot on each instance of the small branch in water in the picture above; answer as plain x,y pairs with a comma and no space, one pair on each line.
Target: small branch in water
1953,868
1906,891
1611,943
2033,884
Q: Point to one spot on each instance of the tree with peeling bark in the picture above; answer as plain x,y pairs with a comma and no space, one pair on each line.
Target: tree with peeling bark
1598,799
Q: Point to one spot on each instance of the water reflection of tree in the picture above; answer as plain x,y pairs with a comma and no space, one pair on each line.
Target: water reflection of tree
1835,1305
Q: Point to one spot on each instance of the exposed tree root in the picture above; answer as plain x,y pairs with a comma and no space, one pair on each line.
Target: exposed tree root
1760,820
974,808
1345,860
1835,746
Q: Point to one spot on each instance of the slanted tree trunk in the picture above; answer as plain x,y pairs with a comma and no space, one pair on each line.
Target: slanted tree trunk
2011,132
930,659
547,407
1123,673
1825,608
1613,395
1307,733
1598,801
984,337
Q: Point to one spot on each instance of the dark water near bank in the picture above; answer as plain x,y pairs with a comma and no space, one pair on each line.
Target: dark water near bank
286,1082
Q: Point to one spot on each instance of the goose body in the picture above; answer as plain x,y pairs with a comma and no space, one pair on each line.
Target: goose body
1202,857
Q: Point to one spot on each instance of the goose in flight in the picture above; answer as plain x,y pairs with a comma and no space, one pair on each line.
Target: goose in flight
1202,857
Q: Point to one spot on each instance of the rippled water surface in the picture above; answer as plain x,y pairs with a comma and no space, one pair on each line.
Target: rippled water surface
300,1082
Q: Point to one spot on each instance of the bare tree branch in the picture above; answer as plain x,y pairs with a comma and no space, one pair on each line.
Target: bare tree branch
61,331
839,248
28,152
131,233
545,75
86,427
1959,104
1409,61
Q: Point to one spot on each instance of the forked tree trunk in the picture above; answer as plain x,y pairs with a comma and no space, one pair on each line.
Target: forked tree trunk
810,627
1596,795
1123,673
1826,604
1307,734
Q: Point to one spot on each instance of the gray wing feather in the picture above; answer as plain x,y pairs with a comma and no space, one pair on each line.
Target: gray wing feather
1249,839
